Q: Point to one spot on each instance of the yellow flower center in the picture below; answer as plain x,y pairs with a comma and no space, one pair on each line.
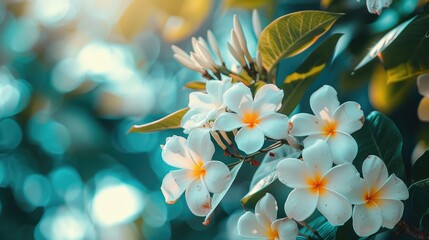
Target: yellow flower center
317,184
199,170
329,129
371,198
272,234
251,119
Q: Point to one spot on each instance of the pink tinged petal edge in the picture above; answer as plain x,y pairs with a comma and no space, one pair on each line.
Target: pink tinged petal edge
250,140
286,228
300,204
293,173
394,188
175,153
374,171
175,183
227,122
335,207
268,99
266,210
317,158
217,197
200,145
392,211
349,117
248,226
304,124
217,176
274,125
198,198
342,178
324,102
238,98
366,220
343,147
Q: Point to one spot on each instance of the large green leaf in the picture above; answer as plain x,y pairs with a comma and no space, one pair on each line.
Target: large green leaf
379,136
421,167
267,172
403,50
171,121
298,82
419,195
291,34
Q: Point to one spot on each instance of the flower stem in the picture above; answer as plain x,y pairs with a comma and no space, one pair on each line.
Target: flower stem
417,233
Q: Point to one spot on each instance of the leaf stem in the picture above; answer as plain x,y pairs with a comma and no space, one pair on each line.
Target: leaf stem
417,233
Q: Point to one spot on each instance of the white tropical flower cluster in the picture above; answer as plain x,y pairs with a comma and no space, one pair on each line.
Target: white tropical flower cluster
324,178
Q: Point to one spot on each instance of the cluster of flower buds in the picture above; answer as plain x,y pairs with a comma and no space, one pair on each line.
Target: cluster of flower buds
201,60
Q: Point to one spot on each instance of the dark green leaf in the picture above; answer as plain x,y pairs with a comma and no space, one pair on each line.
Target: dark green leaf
419,195
291,34
298,82
171,121
379,136
421,167
323,228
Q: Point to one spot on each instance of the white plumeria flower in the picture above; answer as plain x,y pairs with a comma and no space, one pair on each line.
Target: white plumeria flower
332,122
197,173
318,185
204,107
263,224
423,86
256,117
376,6
377,198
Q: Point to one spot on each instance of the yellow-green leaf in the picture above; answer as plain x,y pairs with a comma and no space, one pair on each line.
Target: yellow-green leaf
199,86
291,34
298,82
171,121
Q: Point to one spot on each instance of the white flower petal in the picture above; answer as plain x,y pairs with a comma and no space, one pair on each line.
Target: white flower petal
394,188
250,139
216,89
256,23
342,178
392,211
343,147
293,173
266,210
310,140
249,227
376,6
274,125
268,99
175,153
423,110
286,228
423,84
175,183
359,192
367,219
374,171
193,118
300,204
238,98
198,198
227,122
304,124
324,102
334,207
217,176
214,45
318,158
200,145
349,117
201,100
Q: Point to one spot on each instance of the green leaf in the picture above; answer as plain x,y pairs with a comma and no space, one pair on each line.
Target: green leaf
403,50
420,168
323,228
171,121
379,136
267,172
419,195
298,82
195,85
291,34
